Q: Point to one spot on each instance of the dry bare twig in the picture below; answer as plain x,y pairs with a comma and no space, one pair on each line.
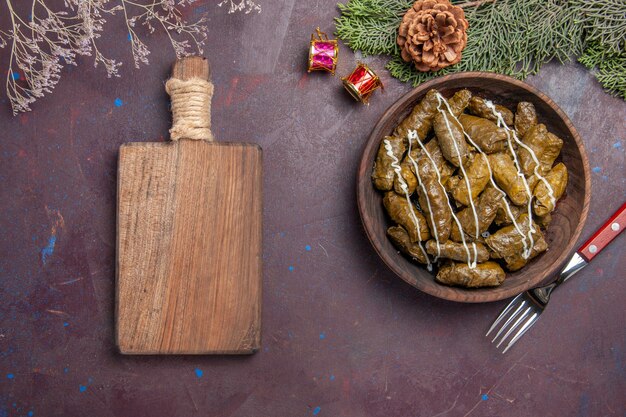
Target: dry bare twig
51,39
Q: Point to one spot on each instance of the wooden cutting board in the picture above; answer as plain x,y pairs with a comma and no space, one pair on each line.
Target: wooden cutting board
189,243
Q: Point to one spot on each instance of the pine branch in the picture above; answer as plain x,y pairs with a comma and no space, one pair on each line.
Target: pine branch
609,68
604,22
370,25
475,3
511,37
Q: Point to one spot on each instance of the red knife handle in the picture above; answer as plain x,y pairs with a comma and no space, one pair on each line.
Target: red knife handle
609,231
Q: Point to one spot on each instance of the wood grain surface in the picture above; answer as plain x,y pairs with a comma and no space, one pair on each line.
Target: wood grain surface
189,244
189,248
568,219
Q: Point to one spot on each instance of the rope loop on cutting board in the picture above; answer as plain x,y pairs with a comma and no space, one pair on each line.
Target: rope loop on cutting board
191,108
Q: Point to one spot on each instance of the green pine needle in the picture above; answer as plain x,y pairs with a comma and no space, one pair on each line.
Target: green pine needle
370,25
604,23
511,37
609,68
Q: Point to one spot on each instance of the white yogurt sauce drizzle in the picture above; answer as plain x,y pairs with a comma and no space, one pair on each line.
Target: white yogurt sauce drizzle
510,132
456,148
413,136
533,155
405,188
507,206
470,263
441,101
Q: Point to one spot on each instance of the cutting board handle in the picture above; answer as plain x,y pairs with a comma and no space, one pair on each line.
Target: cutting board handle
191,92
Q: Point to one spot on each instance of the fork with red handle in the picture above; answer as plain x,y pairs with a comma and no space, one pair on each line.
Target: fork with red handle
524,310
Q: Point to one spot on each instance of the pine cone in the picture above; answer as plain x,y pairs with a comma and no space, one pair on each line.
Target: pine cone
433,34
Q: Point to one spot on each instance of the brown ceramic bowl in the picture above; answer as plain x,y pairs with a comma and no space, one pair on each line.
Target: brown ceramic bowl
568,218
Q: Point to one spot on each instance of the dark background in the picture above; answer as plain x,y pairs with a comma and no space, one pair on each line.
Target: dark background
342,336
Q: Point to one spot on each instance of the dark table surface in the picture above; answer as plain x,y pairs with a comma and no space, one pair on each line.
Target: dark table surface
342,336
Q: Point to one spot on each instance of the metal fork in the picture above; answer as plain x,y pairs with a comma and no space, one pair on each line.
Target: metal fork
524,310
